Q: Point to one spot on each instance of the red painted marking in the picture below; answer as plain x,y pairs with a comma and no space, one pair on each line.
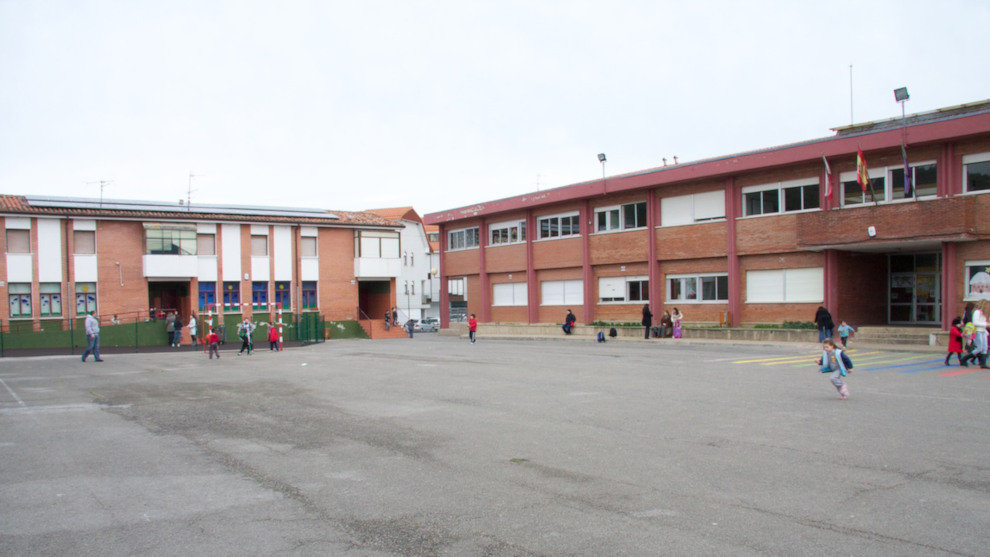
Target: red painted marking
963,372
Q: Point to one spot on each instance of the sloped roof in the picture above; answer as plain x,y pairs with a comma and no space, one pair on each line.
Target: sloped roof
397,213
91,208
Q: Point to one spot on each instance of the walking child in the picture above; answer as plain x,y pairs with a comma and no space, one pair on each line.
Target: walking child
472,327
844,331
213,340
273,337
244,330
956,342
832,363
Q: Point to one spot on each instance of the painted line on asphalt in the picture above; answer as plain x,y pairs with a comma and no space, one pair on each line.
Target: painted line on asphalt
961,372
12,393
900,366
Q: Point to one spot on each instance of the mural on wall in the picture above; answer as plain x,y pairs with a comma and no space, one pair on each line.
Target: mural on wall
978,281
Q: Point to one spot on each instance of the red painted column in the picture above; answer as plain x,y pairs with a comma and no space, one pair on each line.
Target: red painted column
532,288
832,282
653,268
485,299
734,269
444,294
587,274
950,283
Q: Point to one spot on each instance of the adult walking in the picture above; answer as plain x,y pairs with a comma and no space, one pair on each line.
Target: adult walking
647,320
170,328
92,325
823,319
192,329
980,339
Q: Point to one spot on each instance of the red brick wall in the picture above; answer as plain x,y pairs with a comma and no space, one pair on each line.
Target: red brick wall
338,297
862,284
506,258
767,234
619,247
691,241
778,312
556,254
461,262
124,242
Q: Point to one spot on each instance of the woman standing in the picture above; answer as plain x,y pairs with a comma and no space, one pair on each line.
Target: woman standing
676,319
192,329
823,319
647,319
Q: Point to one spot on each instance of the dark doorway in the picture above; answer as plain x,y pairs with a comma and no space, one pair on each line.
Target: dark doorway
164,297
374,298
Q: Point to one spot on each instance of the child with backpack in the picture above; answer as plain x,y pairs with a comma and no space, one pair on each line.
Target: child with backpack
845,331
835,362
956,342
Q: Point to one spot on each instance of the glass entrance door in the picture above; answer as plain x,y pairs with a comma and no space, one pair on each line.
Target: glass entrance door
915,289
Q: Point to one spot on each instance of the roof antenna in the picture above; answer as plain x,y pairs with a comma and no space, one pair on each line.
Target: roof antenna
103,185
189,190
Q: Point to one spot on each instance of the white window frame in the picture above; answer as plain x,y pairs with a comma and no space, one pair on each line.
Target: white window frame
888,186
968,296
519,226
465,234
780,187
516,292
558,217
620,218
782,279
457,287
626,298
571,292
698,280
968,160
682,215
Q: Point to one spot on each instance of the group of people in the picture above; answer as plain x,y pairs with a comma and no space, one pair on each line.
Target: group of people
669,327
968,335
391,318
173,328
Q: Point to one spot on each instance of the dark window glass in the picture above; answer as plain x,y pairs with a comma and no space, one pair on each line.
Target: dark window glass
792,199
926,179
722,287
810,196
978,176
771,201
753,204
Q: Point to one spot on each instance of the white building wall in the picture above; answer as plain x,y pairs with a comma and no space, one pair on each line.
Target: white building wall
49,250
415,261
283,253
231,251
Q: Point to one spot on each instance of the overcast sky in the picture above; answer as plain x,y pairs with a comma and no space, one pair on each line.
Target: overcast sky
357,105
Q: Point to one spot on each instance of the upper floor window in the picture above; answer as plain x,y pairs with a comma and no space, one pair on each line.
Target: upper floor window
377,244
887,184
693,208
170,240
976,172
559,226
463,239
507,233
84,242
259,245
18,241
307,246
206,244
793,195
621,217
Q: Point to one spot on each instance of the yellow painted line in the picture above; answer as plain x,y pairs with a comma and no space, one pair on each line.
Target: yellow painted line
764,360
814,358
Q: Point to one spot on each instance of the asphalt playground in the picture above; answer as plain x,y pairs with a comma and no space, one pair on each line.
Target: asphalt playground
435,446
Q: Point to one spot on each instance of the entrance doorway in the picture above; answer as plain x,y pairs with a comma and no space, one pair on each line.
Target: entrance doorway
374,298
915,289
169,296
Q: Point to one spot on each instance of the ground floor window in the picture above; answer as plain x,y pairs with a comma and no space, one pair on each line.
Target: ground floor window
51,299
283,294
85,297
259,295
510,294
978,280
19,294
207,294
698,288
562,292
231,294
309,294
785,285
623,289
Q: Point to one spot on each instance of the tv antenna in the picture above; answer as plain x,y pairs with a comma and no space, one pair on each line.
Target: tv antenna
103,184
190,190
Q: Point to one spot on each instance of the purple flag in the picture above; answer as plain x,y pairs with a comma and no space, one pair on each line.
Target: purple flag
907,173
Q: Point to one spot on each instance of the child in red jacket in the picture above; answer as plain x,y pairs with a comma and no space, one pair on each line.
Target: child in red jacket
956,342
472,327
213,340
273,337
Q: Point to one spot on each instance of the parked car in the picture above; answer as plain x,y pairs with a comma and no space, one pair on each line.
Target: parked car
427,325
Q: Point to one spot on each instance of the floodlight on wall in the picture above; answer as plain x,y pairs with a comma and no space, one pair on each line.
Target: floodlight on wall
901,94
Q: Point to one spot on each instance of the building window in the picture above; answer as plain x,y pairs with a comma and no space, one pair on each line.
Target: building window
309,294
85,297
457,286
853,194
51,299
18,241
232,294
924,181
377,245
887,184
785,285
84,242
206,244
698,288
503,233
259,245
691,209
259,295
976,172
797,195
170,241
978,280
559,226
207,295
19,294
307,246
562,292
623,289
464,238
283,295
510,294
621,217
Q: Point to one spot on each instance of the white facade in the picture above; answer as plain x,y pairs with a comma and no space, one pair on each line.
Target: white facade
414,295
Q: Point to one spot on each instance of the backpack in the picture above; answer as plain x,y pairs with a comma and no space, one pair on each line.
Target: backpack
612,332
845,360
601,336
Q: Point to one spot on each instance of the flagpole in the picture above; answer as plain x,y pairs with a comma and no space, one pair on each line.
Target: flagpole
851,120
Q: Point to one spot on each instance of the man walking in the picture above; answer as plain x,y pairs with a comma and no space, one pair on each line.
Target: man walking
93,336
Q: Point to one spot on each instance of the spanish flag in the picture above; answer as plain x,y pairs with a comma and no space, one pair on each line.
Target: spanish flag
862,176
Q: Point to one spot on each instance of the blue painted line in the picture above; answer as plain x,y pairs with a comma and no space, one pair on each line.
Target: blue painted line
898,366
923,369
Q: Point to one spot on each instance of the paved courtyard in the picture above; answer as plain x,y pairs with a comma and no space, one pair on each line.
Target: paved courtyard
435,446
